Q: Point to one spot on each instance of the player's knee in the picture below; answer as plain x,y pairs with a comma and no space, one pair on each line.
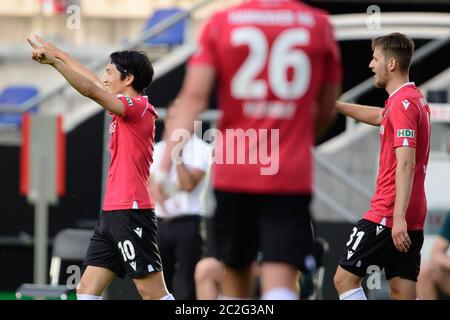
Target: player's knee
151,287
207,269
148,293
343,283
340,282
397,294
403,293
84,287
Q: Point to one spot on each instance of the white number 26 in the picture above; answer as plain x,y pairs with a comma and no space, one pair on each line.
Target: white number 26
282,56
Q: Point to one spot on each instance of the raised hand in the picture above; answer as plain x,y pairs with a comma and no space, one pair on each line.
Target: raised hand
42,56
54,50
51,48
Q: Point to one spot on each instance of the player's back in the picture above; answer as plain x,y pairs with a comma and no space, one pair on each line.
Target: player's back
271,58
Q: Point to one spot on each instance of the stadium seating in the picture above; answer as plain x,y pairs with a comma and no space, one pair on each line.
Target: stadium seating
69,244
14,97
173,35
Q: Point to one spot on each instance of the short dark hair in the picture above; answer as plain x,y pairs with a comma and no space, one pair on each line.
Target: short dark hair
398,46
135,63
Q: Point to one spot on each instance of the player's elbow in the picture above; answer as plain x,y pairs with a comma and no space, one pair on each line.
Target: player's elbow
407,165
187,186
379,117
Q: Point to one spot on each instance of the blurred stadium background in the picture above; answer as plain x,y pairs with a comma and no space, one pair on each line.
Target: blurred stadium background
345,160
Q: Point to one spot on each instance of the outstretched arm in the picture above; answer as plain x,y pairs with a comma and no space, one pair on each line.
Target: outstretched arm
67,59
366,114
80,83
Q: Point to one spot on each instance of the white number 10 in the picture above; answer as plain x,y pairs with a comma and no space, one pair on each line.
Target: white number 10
282,56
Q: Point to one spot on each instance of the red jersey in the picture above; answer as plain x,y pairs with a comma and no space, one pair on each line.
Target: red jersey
405,123
131,151
271,57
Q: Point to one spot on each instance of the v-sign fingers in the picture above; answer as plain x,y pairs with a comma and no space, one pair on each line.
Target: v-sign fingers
41,41
32,44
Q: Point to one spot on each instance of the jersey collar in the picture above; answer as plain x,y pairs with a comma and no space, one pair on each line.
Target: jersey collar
403,85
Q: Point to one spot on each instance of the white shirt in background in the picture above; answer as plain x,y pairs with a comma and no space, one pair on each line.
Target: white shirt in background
196,155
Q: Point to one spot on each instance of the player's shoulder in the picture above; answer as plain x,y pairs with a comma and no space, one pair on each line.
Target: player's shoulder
409,93
140,100
319,14
409,99
131,101
220,15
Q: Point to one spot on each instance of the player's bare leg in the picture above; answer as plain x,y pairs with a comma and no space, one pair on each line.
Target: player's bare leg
430,280
279,281
208,274
426,288
93,282
152,287
237,283
348,285
402,289
441,278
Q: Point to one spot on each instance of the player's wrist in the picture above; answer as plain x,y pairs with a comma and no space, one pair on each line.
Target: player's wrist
163,179
160,176
61,55
55,63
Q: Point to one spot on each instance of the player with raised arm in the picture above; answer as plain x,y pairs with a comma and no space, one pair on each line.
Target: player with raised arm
124,241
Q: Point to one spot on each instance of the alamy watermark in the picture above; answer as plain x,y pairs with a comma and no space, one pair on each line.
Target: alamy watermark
74,272
234,146
73,21
373,281
373,21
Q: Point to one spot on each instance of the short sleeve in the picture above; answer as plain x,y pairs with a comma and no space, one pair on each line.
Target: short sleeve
405,118
205,53
333,66
135,108
198,155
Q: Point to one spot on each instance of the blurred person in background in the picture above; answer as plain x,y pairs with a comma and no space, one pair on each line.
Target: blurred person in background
178,214
276,67
434,275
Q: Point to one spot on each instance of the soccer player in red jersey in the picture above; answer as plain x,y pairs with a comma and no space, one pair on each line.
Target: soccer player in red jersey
124,241
390,235
277,70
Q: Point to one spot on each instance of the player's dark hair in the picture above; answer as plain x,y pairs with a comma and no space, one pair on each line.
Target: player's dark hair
135,63
398,46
